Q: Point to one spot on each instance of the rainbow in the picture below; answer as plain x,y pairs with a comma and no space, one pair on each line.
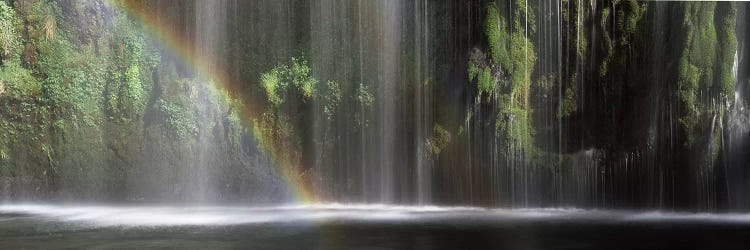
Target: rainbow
183,48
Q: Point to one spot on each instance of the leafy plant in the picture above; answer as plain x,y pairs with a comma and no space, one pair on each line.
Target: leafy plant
10,42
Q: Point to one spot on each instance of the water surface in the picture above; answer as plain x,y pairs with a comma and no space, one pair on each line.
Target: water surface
338,226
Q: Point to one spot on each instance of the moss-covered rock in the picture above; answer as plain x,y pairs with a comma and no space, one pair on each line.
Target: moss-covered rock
705,67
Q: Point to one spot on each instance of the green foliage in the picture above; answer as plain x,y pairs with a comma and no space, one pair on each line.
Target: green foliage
524,57
275,133
486,83
130,61
472,71
569,103
365,98
300,76
440,139
41,19
181,122
497,36
10,42
332,99
236,125
18,82
524,17
514,53
272,82
4,154
74,79
513,126
727,49
277,81
705,66
135,89
628,15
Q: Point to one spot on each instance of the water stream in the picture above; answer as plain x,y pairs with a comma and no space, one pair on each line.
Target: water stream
417,124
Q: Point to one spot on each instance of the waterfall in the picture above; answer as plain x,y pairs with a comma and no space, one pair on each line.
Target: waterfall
210,33
572,134
511,103
737,130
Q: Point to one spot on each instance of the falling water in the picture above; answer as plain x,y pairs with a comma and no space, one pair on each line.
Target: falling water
600,122
737,132
602,153
210,32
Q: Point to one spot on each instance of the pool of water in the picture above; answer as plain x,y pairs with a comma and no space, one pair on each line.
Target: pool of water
337,226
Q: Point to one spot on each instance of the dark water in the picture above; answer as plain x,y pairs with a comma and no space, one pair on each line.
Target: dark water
363,227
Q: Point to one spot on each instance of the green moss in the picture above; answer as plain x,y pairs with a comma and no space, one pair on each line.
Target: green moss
485,82
514,127
705,66
625,19
727,49
18,82
524,16
332,99
74,80
277,81
569,102
365,98
497,37
472,71
629,14
272,83
514,54
181,122
524,57
303,80
440,139
10,42
135,89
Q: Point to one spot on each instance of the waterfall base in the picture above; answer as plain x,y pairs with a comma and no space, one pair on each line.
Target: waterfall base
364,227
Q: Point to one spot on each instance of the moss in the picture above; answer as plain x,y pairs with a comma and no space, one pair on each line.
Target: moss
18,82
705,67
625,19
485,82
440,139
524,16
524,57
332,99
727,49
497,37
181,122
472,71
513,55
135,88
629,14
272,83
277,81
569,102
275,133
514,127
581,41
10,42
365,98
300,75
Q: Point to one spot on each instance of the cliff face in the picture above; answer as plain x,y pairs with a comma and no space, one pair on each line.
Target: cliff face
616,99
512,103
94,109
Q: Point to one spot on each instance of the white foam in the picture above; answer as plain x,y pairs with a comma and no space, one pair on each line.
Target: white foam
216,215
158,216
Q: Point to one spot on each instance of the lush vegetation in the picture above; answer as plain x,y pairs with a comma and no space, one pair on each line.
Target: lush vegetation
505,76
705,78
91,100
81,102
